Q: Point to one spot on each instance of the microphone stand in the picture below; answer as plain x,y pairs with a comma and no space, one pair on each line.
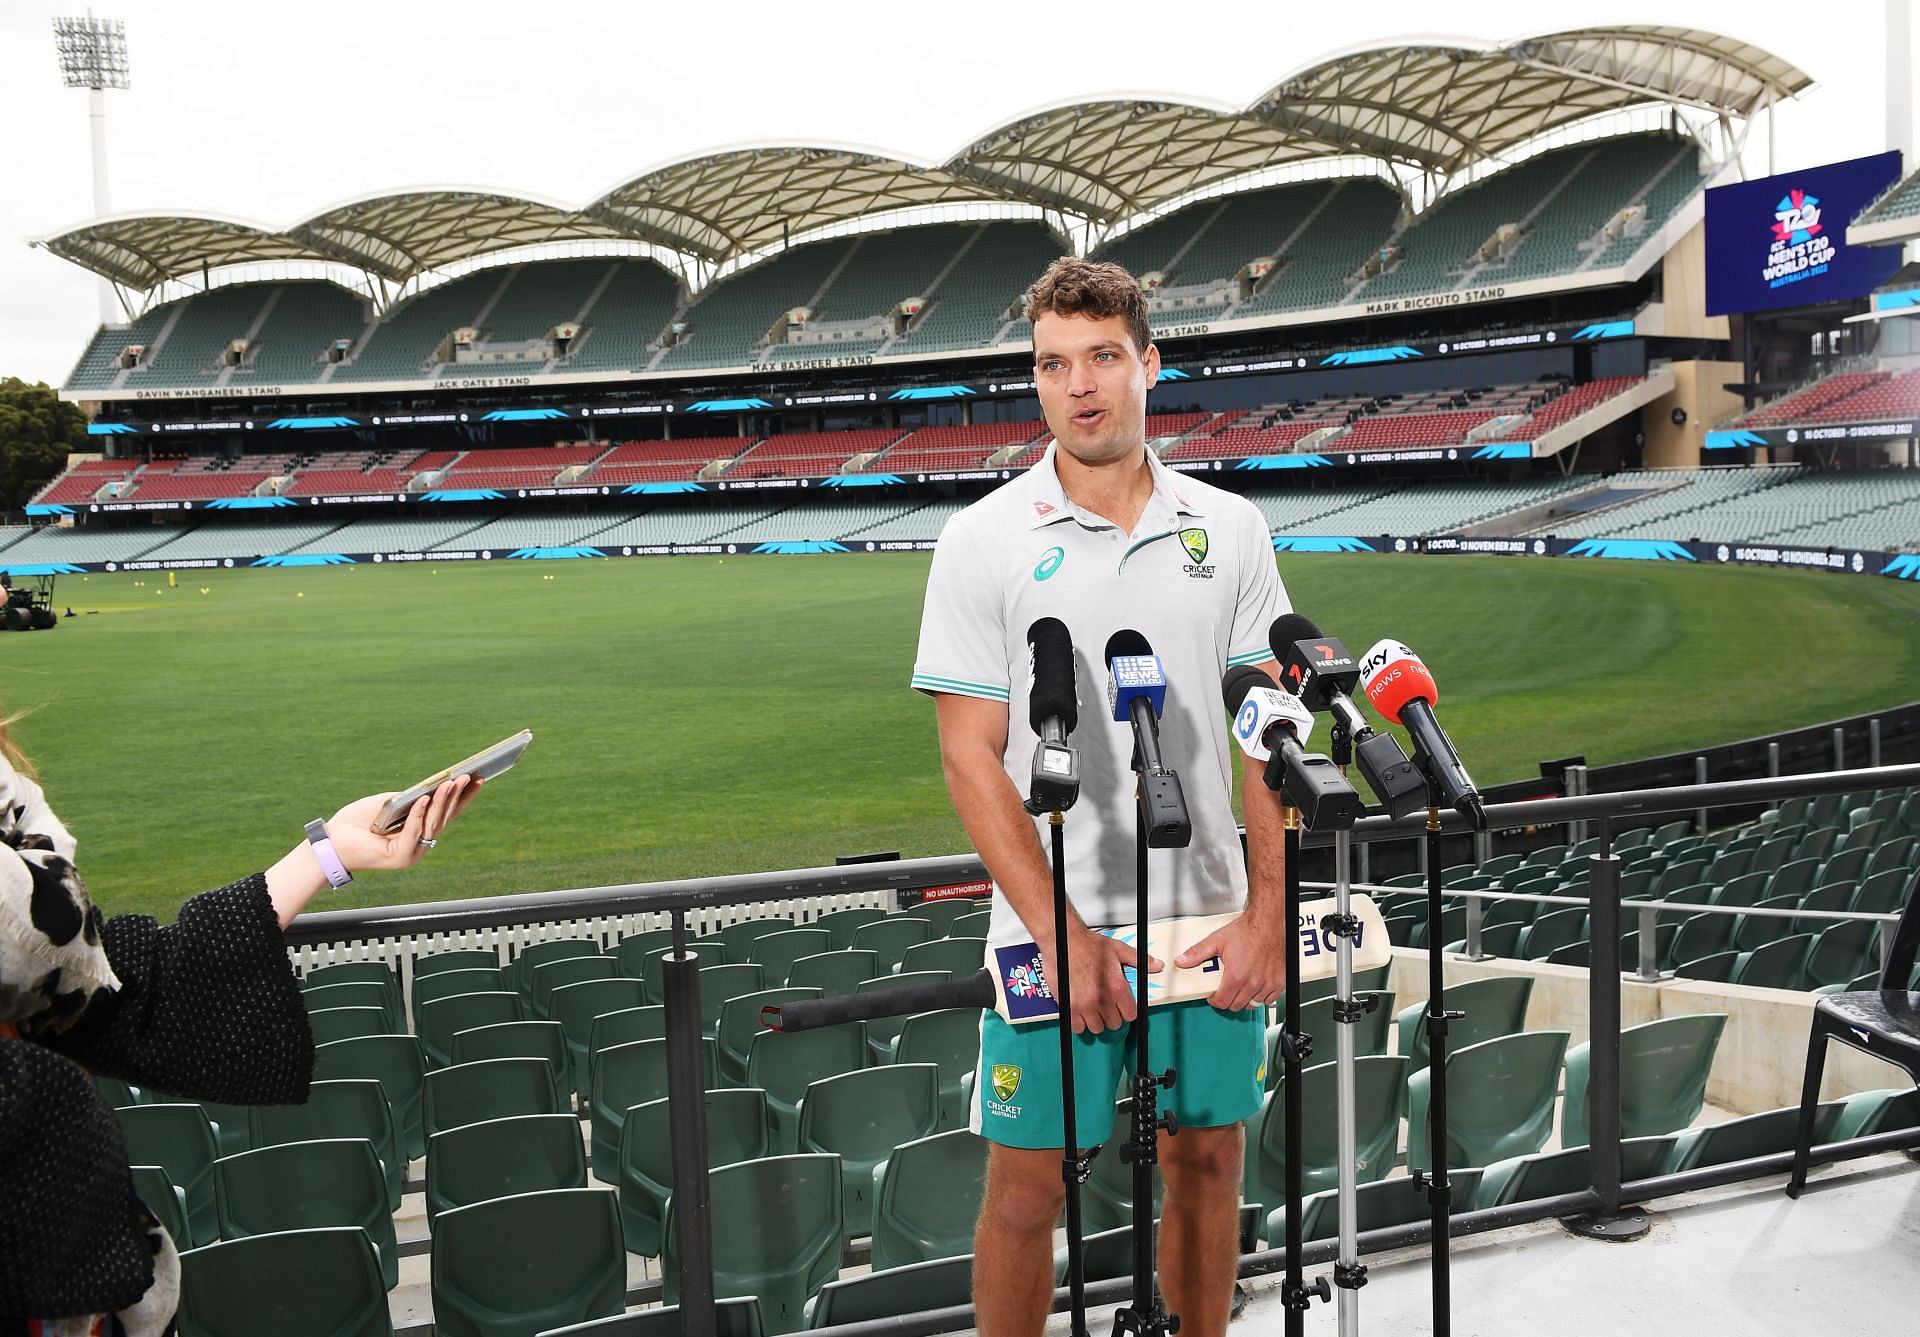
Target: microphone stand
1075,1166
1158,789
1296,1046
1348,1273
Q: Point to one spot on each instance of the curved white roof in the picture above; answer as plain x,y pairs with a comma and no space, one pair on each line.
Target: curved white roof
1438,104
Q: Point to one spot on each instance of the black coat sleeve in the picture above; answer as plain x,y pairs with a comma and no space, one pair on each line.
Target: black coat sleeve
208,1006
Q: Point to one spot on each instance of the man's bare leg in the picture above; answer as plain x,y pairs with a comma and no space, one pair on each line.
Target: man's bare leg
1200,1226
1013,1241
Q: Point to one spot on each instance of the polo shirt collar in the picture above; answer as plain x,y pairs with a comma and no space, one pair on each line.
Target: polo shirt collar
1048,503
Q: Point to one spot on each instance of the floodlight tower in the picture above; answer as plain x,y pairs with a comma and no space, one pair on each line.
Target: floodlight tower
93,56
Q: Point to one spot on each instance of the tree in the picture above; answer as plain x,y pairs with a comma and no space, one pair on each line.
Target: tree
37,431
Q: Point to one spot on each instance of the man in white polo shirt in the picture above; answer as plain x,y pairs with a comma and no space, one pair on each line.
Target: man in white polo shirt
1103,536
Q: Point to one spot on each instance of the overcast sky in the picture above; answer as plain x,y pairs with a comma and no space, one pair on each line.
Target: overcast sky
271,112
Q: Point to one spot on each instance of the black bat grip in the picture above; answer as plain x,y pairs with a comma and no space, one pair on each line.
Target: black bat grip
975,990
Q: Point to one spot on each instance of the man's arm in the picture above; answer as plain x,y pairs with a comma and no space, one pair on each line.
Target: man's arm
1252,949
973,738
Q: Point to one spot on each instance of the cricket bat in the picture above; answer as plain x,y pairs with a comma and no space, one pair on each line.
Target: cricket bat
1014,982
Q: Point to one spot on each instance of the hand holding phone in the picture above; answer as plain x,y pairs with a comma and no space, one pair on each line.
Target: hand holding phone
483,765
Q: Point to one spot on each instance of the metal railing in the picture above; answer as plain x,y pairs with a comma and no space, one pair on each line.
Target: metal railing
1607,1193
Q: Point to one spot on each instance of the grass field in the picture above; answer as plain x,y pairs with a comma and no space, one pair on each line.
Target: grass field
699,716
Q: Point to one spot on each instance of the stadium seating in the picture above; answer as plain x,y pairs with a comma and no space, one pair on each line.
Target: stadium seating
1500,1100
340,1108
305,1185
931,449
736,1130
397,1063
496,1158
527,1263
1664,1066
970,304
623,323
179,1139
296,1283
861,1117
1383,1081
776,1234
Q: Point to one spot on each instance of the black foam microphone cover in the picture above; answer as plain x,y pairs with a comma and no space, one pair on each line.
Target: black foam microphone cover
1238,682
1288,628
1053,695
1126,641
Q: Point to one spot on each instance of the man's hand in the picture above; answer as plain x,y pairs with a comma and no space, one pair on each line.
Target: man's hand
1102,1000
1253,961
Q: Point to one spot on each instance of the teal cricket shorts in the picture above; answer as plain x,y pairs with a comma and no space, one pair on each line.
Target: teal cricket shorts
1219,1061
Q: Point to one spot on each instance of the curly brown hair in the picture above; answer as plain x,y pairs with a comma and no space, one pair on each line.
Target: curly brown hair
1075,287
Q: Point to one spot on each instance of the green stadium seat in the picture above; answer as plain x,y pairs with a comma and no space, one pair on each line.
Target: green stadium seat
1870,1112
1108,1254
958,957
1701,936
842,924
1795,879
346,1107
719,983
544,978
631,951
709,951
740,1022
345,1023
298,1283
881,1031
1549,1174
1882,893
942,914
889,939
1495,1005
305,1186
625,1076
542,1040
950,1040
398,1064
465,958
973,925
926,1198
1779,964
785,1064
622,1028
1664,1066
738,939
1380,1086
118,1093
439,1021
1716,968
451,983
1378,1206
1495,940
737,1130
1751,931
576,1006
1848,867
1316,1019
167,1203
519,975
353,972
1500,1097
357,993
498,1158
507,1267
232,1132
1766,1134
1841,951
731,1318
939,1284
179,1139
775,953
861,1117
835,973
776,1235
1552,931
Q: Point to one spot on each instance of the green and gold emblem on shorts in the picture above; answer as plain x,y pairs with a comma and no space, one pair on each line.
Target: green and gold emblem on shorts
1195,542
1006,1080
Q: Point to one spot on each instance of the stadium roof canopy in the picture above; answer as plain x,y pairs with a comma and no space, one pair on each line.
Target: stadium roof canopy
1433,105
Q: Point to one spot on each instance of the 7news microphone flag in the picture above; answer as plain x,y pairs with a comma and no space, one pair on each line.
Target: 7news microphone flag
1401,689
1318,669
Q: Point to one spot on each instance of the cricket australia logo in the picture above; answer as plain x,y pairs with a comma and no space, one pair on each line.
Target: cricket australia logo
1006,1080
1195,542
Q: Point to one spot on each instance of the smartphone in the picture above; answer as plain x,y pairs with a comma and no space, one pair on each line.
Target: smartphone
484,765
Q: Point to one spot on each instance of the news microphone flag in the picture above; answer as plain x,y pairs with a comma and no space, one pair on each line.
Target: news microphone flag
1134,672
1264,708
1392,675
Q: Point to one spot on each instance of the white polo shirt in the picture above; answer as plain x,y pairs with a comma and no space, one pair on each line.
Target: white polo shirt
1197,579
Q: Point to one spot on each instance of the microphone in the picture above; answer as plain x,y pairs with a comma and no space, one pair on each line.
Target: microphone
1321,673
1271,725
1402,690
1053,711
1137,692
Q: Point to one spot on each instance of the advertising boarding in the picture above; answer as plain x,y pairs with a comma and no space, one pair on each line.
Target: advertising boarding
1782,240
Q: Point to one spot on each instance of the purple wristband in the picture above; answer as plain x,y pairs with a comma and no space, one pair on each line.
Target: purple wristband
337,874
